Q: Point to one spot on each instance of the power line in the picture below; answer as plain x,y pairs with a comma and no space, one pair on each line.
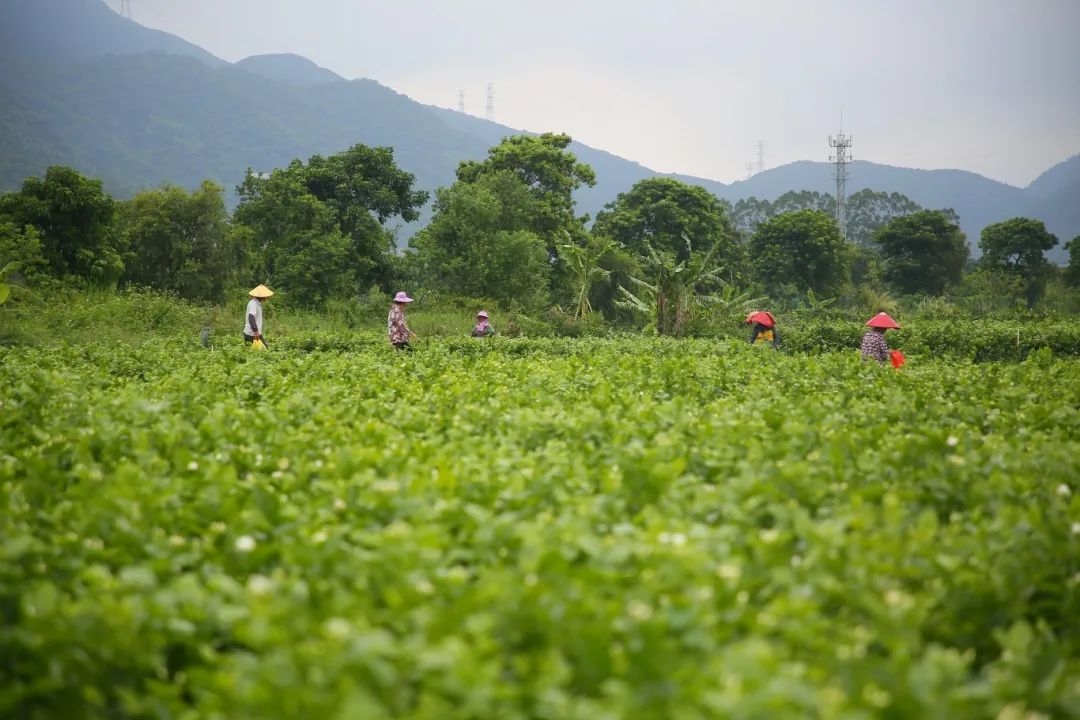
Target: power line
841,143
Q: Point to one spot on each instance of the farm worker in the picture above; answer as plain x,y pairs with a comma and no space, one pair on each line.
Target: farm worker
482,328
873,342
764,328
399,332
253,327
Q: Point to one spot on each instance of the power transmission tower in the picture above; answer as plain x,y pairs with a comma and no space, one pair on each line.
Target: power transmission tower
841,143
489,111
760,156
749,170
125,8
461,101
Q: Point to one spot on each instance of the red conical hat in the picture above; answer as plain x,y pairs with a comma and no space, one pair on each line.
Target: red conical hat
882,320
763,317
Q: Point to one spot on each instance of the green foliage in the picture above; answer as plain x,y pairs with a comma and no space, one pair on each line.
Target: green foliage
660,212
180,242
5,286
319,225
73,217
22,246
1072,271
674,288
799,251
865,211
924,252
1017,247
549,171
530,528
480,244
583,262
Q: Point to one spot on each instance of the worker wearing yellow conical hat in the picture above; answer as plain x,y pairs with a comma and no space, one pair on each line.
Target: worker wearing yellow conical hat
253,325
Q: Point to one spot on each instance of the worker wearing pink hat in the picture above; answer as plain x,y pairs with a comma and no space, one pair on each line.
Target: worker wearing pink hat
873,345
396,328
482,328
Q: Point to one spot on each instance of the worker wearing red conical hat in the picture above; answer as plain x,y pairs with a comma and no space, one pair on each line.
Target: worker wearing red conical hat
764,328
873,342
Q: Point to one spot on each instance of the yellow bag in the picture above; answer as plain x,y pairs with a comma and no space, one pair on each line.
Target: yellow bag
257,344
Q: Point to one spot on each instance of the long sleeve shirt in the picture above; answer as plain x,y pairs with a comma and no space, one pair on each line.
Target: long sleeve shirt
874,346
396,327
254,310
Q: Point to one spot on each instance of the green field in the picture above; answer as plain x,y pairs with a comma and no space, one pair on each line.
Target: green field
536,528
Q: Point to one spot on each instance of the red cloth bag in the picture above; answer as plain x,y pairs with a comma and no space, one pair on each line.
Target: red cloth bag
897,359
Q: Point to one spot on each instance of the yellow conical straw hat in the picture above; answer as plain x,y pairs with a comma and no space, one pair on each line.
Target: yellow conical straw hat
261,292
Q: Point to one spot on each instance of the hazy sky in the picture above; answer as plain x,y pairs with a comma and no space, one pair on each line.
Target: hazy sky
691,86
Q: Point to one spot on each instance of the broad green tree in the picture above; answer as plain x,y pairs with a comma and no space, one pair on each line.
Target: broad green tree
319,225
180,241
660,212
923,252
480,242
1017,247
800,251
73,216
549,171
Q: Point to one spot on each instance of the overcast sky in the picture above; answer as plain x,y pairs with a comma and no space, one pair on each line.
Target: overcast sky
691,86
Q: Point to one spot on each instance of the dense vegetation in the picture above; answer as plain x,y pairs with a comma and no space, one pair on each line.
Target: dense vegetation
532,528
665,257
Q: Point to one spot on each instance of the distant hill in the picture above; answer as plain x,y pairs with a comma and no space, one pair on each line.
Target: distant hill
289,68
1065,176
84,87
64,31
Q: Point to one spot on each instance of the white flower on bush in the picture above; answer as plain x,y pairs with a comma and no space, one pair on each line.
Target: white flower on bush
244,544
339,504
260,585
337,628
1064,490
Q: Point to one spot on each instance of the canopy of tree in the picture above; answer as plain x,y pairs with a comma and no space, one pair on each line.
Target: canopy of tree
924,252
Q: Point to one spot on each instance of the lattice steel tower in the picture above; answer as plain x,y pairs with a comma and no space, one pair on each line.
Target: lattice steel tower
489,111
461,101
841,143
125,8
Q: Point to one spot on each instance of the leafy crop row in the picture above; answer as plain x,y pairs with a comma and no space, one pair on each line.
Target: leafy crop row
536,529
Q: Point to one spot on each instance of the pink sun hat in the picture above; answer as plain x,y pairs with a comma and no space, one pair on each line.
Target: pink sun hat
401,297
482,313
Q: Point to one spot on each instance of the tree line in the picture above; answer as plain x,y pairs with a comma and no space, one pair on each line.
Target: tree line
506,230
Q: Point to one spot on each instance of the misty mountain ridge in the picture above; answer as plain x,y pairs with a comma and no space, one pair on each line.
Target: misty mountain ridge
289,68
139,107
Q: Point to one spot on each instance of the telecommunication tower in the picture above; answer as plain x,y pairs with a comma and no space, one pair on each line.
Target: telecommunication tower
489,111
841,143
461,101
125,8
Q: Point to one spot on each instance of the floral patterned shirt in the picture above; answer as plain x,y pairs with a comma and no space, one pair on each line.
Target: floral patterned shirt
396,327
874,346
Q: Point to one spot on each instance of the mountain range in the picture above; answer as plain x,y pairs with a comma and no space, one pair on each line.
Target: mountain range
83,86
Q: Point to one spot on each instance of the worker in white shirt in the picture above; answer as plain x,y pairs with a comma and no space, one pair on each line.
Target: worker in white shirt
253,326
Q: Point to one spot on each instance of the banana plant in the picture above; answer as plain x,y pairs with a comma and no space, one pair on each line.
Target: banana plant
675,290
584,264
